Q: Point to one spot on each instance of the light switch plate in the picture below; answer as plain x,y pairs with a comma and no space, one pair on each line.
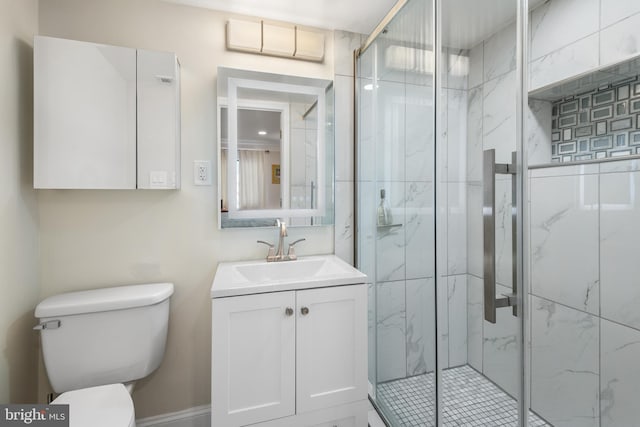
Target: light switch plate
201,172
158,179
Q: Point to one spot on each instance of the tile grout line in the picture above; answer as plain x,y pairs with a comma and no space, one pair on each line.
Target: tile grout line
599,293
599,32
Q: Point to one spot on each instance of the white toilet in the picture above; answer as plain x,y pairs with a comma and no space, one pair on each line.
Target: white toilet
97,343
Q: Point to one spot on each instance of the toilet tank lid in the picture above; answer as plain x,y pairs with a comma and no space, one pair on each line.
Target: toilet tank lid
105,299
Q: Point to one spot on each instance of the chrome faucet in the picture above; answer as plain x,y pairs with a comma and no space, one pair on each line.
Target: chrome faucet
283,233
278,255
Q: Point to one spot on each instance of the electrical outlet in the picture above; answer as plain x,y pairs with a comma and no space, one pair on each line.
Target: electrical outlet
201,172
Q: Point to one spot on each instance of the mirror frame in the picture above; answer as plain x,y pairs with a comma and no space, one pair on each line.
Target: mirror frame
234,84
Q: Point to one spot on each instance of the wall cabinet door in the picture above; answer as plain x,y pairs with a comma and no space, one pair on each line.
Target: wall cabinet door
331,347
84,115
105,117
158,120
253,358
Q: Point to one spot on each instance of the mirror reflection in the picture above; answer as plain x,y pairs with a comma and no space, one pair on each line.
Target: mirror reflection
275,149
259,158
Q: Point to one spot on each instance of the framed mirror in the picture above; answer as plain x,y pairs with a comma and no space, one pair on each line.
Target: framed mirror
275,149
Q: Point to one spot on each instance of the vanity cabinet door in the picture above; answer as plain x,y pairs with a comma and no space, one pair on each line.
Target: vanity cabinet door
253,358
331,346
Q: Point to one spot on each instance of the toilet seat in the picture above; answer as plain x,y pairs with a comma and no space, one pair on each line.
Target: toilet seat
102,406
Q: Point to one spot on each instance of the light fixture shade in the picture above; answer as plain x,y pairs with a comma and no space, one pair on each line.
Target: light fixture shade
278,39
244,35
309,45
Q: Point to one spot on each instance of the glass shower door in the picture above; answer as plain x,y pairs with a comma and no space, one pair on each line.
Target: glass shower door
440,241
480,223
395,203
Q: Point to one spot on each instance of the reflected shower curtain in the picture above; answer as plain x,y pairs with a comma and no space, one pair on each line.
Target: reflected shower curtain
251,180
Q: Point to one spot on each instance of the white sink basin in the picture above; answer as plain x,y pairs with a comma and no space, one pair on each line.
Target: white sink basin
251,277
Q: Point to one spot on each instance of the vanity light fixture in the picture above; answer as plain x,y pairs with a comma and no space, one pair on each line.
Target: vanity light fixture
276,39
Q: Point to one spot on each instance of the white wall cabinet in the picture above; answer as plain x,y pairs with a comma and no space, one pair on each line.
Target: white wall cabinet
291,358
158,134
105,117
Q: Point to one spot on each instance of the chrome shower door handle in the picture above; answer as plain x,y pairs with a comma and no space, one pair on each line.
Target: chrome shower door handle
490,170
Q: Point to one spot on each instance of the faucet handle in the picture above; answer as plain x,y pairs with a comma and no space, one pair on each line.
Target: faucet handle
290,252
272,250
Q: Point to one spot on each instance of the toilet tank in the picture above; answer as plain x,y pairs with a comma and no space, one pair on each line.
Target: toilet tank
104,336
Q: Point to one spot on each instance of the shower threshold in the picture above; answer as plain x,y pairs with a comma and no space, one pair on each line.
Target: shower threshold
469,399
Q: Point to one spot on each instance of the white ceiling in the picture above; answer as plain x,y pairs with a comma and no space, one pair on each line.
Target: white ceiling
465,22
358,16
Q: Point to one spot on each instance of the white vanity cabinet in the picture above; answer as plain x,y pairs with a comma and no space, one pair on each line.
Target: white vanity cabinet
253,358
294,358
331,346
105,117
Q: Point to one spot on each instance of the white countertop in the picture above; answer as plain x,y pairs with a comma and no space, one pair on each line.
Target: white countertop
258,276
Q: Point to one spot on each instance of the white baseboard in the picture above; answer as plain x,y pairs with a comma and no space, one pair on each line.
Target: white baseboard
200,416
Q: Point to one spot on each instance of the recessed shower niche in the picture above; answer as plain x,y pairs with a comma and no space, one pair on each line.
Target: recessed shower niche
595,115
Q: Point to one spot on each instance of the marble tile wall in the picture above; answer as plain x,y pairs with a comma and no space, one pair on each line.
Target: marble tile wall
564,226
564,364
571,37
619,376
618,240
585,327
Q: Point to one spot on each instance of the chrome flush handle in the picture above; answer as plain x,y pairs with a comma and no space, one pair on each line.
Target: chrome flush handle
51,324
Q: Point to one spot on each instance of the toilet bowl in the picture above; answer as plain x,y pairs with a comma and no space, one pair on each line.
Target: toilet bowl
102,406
94,342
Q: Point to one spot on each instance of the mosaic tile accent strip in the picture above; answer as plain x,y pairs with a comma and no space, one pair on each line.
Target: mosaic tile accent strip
599,124
469,400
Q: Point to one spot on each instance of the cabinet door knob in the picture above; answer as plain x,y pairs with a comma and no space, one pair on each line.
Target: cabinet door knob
304,311
288,311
